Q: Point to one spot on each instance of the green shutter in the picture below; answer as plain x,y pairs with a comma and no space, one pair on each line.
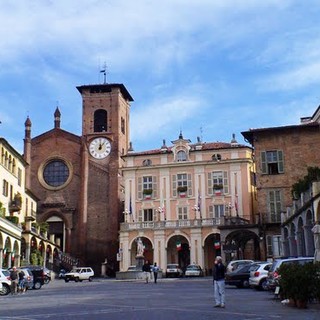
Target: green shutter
189,185
280,161
263,162
174,185
225,182
154,187
140,188
210,188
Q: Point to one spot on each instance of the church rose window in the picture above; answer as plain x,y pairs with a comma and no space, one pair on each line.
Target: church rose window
56,173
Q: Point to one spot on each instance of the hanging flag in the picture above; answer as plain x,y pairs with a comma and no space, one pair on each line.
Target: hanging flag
12,256
217,245
130,206
179,247
164,212
236,204
199,204
4,252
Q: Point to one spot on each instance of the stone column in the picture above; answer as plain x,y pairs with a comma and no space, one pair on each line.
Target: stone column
309,240
292,246
27,257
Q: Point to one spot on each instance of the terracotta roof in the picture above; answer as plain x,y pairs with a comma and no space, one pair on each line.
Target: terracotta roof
205,146
248,135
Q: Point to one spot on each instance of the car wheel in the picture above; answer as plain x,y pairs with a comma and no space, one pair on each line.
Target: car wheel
46,280
76,279
37,285
90,279
66,280
5,290
245,283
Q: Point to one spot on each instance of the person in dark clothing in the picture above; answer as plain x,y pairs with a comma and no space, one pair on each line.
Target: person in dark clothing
14,280
218,282
146,268
21,283
155,270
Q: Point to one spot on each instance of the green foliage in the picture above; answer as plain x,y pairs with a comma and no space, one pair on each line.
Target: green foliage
2,210
147,191
300,282
302,185
44,226
36,258
182,189
12,219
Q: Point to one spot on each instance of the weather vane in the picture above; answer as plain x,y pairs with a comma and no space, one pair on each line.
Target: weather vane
104,71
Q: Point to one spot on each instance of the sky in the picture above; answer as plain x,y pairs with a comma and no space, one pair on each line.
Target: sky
209,68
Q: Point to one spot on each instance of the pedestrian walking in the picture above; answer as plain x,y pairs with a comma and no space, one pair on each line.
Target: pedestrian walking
146,268
21,282
14,280
218,282
155,270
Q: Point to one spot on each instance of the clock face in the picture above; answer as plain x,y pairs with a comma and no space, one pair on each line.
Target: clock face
100,148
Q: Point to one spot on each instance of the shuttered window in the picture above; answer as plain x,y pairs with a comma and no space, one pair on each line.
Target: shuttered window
272,162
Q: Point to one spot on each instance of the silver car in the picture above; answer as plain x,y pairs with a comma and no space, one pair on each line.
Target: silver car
259,274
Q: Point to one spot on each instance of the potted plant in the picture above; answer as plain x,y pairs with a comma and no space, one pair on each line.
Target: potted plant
182,191
182,188
297,282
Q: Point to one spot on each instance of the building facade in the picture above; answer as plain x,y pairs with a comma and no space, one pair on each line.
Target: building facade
282,156
78,178
21,240
178,198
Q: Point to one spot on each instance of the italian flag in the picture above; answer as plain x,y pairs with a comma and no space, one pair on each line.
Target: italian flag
217,245
178,246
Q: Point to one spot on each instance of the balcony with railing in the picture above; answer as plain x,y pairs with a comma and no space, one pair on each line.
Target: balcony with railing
170,224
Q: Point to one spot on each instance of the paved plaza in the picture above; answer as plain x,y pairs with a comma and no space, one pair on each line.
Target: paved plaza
170,299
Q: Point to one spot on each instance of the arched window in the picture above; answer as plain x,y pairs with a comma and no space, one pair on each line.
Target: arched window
147,162
216,157
181,156
100,121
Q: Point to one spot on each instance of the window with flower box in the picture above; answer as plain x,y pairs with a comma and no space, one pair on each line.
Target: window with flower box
181,185
218,183
147,187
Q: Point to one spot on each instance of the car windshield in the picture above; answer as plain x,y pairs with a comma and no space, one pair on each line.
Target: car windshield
6,273
193,268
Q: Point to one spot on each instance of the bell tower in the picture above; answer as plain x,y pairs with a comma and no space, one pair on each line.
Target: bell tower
105,138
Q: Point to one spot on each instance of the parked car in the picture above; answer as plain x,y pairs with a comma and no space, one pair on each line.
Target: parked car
258,275
239,277
173,270
79,274
234,264
273,274
194,270
47,275
5,282
38,276
132,268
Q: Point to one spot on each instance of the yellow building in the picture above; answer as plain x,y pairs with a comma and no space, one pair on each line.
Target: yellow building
188,203
20,237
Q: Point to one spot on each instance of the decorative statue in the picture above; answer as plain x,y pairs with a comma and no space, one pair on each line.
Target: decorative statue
140,247
316,235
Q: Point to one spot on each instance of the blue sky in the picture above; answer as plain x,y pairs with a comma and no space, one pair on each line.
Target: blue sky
210,68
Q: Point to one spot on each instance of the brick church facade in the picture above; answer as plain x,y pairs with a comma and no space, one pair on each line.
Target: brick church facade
78,178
